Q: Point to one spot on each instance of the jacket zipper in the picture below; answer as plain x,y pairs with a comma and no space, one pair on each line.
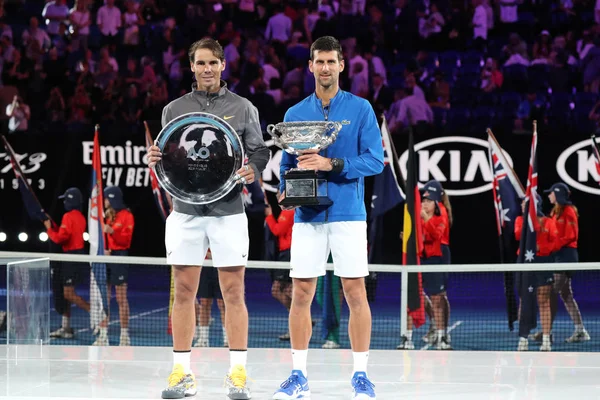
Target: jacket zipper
326,115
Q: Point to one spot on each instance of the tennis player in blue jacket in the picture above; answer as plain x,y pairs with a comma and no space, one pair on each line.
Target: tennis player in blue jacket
340,228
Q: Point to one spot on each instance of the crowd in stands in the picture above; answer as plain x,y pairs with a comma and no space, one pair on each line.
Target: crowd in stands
436,65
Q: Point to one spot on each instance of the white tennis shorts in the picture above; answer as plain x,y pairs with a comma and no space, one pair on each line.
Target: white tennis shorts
312,242
188,238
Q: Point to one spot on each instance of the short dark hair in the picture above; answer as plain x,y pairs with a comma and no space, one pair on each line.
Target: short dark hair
207,43
326,43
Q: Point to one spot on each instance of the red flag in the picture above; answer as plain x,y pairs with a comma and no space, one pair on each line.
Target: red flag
412,237
596,155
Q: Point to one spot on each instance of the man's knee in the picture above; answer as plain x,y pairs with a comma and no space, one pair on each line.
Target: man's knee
302,294
233,291
356,294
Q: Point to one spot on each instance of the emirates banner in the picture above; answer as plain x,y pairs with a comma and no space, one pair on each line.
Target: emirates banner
54,162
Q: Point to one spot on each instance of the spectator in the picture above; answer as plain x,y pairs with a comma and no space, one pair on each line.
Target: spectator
375,65
380,96
414,111
80,26
491,77
275,90
18,72
19,114
270,70
279,27
131,24
439,91
360,83
480,25
55,12
34,35
543,44
109,22
55,106
531,109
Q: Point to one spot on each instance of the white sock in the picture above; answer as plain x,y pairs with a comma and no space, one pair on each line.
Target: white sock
103,331
523,339
124,331
66,322
440,334
579,328
409,336
299,358
546,339
225,335
237,357
183,358
203,333
360,361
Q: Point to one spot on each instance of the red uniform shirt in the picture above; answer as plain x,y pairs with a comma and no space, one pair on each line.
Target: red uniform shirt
446,236
433,232
547,235
568,228
282,228
120,239
70,232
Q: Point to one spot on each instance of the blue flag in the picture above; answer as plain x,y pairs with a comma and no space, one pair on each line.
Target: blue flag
30,200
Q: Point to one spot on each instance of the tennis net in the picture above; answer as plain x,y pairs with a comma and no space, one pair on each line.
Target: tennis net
476,293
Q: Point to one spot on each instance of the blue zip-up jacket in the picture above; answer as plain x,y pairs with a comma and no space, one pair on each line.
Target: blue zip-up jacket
358,144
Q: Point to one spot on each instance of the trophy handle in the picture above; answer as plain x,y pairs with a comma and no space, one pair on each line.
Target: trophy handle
271,130
334,127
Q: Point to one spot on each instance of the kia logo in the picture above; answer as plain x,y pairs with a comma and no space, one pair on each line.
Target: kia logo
582,164
460,163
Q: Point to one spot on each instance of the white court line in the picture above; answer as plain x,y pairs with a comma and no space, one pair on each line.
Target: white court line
454,326
113,322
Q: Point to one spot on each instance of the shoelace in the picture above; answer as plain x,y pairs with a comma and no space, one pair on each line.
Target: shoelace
175,378
292,380
363,384
238,378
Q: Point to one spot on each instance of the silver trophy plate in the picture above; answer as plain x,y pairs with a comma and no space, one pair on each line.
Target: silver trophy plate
200,156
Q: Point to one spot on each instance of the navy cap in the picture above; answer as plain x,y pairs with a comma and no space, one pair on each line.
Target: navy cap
433,190
115,197
561,192
72,199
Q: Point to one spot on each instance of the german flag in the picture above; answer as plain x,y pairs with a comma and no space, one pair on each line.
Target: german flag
412,237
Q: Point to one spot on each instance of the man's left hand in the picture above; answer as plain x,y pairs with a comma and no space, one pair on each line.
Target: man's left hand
312,160
245,175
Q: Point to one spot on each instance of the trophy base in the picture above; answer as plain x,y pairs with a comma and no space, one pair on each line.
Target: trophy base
306,201
305,188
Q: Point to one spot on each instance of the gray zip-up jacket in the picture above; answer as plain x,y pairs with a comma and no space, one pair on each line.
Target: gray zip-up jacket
243,117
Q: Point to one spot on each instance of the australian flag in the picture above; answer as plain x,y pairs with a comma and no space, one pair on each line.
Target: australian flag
528,246
161,197
387,194
507,192
30,200
596,156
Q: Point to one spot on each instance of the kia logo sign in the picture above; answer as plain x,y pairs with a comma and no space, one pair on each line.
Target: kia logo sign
579,160
460,163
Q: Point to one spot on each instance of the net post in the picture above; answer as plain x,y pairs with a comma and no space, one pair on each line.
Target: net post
28,302
404,302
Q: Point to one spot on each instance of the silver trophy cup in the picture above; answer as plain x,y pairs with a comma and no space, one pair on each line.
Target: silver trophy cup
304,187
200,156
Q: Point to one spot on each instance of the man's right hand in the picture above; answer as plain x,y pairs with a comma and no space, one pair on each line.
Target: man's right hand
154,156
